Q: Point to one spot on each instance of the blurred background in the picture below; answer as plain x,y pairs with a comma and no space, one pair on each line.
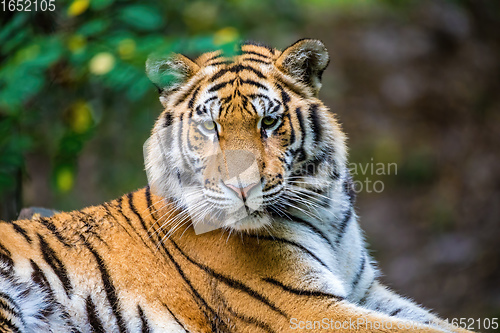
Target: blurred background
414,83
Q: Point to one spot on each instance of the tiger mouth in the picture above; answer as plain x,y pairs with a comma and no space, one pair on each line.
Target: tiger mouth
244,218
250,213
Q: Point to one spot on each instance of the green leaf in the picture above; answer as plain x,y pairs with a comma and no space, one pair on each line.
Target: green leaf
142,17
14,41
100,4
13,27
94,27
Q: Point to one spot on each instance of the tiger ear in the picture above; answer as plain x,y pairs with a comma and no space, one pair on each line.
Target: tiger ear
168,73
305,60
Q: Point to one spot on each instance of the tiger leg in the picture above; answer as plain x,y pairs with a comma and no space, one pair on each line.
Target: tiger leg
380,299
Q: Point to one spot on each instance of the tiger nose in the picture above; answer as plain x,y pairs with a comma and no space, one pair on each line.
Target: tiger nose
242,193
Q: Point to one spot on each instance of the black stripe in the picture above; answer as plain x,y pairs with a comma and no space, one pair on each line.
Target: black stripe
93,317
218,55
134,210
148,197
292,130
219,86
188,282
232,282
240,68
6,322
144,322
179,140
223,62
256,53
285,99
21,231
168,119
363,299
89,222
185,95
302,292
9,301
135,229
150,202
186,159
47,224
263,96
254,83
315,123
395,312
50,256
192,99
200,110
236,69
73,329
39,278
245,103
210,99
289,242
313,228
291,87
357,277
119,209
257,60
7,307
278,131
194,147
175,318
218,74
69,323
5,256
312,165
301,153
249,320
343,225
129,221
349,189
109,288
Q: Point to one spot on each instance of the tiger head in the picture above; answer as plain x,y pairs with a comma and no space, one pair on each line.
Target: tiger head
244,138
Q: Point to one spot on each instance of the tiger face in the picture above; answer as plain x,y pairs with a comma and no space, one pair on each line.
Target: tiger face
244,138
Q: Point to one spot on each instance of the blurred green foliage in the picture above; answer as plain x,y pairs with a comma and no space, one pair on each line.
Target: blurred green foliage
62,73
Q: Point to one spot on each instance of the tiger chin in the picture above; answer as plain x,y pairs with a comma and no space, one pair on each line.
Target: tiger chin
247,224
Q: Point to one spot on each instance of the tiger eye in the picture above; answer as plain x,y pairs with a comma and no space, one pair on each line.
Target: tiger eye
209,125
269,121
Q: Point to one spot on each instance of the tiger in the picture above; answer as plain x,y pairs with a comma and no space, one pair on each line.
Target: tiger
205,248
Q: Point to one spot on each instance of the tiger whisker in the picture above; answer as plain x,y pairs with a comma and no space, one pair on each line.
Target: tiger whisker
298,194
152,206
311,206
309,190
308,213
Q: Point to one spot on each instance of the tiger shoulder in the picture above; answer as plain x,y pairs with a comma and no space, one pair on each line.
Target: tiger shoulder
247,223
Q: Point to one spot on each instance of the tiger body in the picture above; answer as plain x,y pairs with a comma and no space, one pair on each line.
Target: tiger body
137,264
